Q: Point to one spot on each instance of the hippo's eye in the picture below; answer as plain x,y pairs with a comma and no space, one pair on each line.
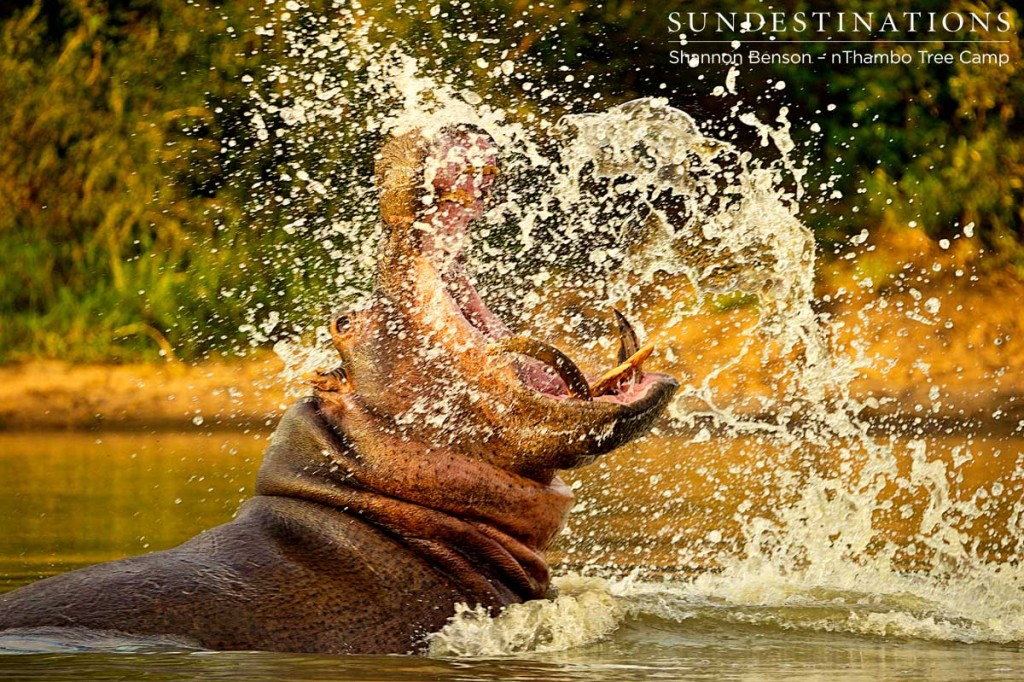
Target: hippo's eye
341,324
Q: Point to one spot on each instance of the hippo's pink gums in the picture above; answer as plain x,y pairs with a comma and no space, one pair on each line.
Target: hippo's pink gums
420,475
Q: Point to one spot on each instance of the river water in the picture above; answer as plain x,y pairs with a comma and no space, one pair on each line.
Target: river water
653,600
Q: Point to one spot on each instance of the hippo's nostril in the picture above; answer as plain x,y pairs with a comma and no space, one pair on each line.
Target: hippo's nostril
329,381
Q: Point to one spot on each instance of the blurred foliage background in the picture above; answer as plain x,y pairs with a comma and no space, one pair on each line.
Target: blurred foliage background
124,198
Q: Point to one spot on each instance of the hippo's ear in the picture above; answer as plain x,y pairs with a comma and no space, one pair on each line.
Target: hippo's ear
399,178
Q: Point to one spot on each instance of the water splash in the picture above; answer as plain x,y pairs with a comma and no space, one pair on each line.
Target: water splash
588,610
642,206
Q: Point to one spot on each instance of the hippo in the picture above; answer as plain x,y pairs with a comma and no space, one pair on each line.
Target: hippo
420,474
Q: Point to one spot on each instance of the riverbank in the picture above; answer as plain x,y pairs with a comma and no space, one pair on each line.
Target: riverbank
947,350
171,395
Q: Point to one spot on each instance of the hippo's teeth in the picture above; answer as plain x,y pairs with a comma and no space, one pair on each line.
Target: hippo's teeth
610,379
457,196
566,369
628,342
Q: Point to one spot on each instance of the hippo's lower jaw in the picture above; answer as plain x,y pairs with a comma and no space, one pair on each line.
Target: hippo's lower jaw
592,414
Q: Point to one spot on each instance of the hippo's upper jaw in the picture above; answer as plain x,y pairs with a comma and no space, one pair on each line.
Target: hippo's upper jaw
430,360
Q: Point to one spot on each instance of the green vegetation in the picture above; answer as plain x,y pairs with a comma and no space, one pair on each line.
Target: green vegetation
123,200
112,193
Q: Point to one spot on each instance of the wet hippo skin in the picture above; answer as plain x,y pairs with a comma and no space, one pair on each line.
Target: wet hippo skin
421,474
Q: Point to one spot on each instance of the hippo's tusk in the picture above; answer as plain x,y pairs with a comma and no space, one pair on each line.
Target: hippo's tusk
628,342
629,345
609,379
566,369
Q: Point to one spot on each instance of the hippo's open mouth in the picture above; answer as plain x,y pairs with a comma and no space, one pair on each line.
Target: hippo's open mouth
428,357
547,370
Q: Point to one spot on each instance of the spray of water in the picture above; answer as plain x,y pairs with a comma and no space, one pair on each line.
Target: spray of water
785,506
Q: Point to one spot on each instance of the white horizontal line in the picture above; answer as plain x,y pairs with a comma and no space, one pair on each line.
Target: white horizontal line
836,42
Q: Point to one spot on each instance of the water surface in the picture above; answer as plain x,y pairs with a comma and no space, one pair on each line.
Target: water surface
71,499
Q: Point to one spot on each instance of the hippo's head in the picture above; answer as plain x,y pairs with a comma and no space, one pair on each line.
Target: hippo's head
427,363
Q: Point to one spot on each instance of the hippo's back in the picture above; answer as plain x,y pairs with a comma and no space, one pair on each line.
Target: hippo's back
286,575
